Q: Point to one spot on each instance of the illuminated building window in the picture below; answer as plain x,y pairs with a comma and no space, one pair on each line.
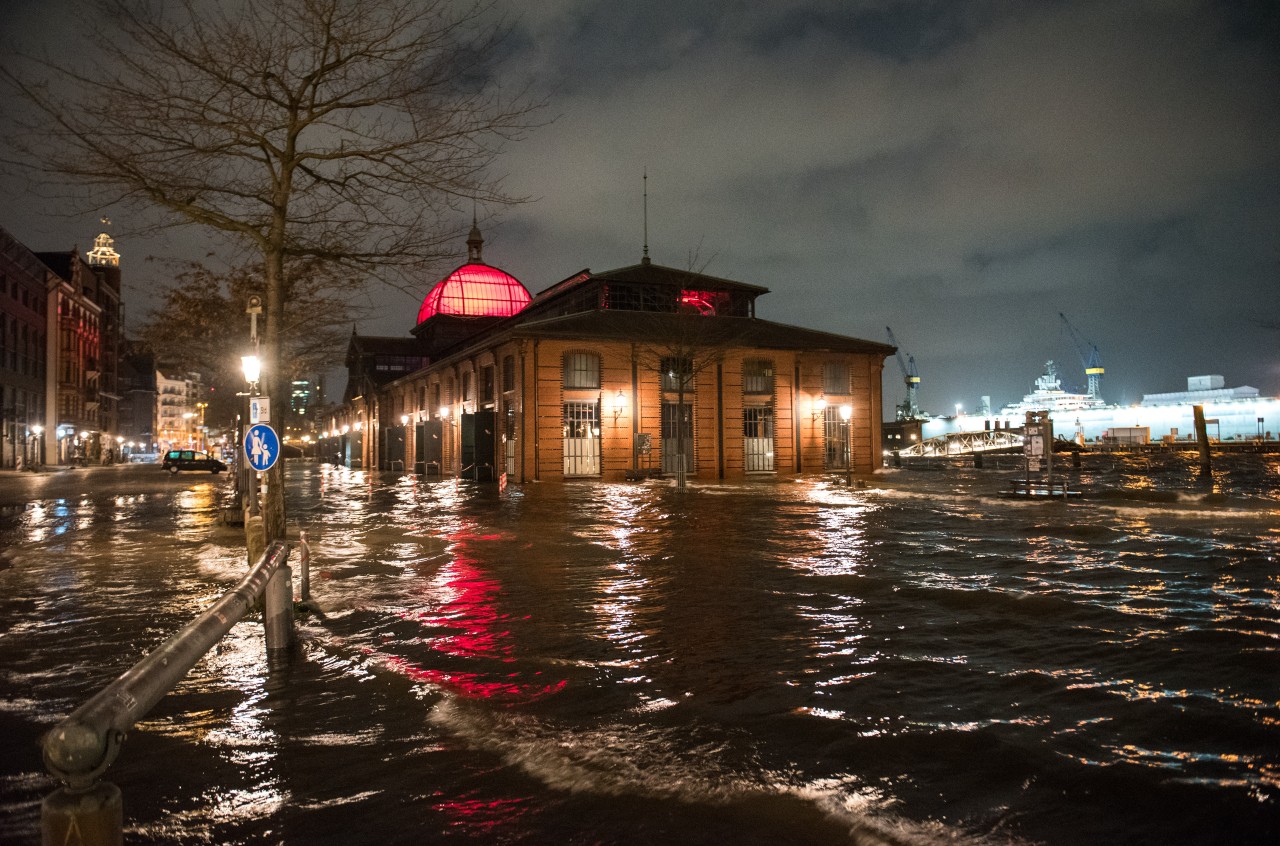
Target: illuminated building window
703,302
677,372
757,376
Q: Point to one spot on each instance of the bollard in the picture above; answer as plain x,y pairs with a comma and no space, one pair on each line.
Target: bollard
277,615
304,566
1202,439
255,536
90,817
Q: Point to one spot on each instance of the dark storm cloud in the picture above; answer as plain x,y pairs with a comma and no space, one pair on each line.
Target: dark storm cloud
962,171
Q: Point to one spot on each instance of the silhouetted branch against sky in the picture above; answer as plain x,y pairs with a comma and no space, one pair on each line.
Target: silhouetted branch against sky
321,129
349,132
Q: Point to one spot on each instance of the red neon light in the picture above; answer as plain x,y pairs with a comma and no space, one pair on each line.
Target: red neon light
703,301
475,290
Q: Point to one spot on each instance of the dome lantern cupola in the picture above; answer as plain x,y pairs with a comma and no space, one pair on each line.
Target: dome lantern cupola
475,289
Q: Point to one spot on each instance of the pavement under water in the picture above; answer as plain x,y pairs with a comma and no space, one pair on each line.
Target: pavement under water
919,661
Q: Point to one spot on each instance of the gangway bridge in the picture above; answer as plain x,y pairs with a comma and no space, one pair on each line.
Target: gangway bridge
966,443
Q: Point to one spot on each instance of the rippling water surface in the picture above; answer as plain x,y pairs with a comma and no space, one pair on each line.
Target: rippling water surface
920,661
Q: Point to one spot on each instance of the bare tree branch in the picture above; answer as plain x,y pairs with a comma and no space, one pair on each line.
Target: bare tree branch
344,131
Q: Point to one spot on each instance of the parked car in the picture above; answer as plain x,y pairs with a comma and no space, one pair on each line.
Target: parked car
189,459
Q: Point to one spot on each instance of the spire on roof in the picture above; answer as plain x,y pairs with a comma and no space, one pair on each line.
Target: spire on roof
644,259
474,242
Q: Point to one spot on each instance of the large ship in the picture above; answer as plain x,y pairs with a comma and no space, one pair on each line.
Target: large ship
1048,395
1231,414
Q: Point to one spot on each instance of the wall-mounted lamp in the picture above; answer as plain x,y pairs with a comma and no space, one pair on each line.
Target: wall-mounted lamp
846,411
819,406
404,420
619,405
346,429
444,412
359,425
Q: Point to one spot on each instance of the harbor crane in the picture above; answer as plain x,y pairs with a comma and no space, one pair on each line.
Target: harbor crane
910,408
1090,357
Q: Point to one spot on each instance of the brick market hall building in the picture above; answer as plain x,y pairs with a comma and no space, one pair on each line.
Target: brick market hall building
633,372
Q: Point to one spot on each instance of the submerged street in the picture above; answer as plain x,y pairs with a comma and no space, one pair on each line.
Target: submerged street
918,661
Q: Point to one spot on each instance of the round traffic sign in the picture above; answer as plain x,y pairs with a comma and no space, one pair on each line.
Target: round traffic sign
261,446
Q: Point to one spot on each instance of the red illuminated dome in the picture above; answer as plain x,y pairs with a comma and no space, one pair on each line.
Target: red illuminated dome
475,289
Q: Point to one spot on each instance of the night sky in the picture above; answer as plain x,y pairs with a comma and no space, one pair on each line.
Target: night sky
959,171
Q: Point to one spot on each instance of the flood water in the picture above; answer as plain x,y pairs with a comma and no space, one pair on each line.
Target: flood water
918,661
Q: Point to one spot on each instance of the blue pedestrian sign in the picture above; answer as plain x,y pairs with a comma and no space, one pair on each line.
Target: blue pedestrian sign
261,446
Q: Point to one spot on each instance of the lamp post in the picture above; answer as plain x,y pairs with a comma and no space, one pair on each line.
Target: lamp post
846,412
204,440
37,453
252,368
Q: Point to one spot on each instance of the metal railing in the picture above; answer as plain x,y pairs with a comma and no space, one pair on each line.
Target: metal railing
80,748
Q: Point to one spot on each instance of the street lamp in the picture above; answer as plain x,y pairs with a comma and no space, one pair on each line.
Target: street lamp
38,453
846,412
252,367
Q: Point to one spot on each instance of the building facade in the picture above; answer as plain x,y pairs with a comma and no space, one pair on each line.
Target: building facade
644,370
61,341
24,324
178,413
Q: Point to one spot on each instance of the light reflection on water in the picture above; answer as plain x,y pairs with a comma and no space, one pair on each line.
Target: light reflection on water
742,663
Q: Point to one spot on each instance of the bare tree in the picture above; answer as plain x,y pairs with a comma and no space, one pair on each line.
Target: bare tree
338,130
189,327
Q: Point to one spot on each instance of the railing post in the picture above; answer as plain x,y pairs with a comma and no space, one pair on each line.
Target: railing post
304,566
278,611
92,816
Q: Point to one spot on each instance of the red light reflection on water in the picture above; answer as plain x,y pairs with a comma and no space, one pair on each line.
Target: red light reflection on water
479,632
483,815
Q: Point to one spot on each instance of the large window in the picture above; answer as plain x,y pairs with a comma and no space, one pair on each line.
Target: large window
486,383
508,373
582,438
757,376
835,440
835,378
677,374
581,370
757,434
